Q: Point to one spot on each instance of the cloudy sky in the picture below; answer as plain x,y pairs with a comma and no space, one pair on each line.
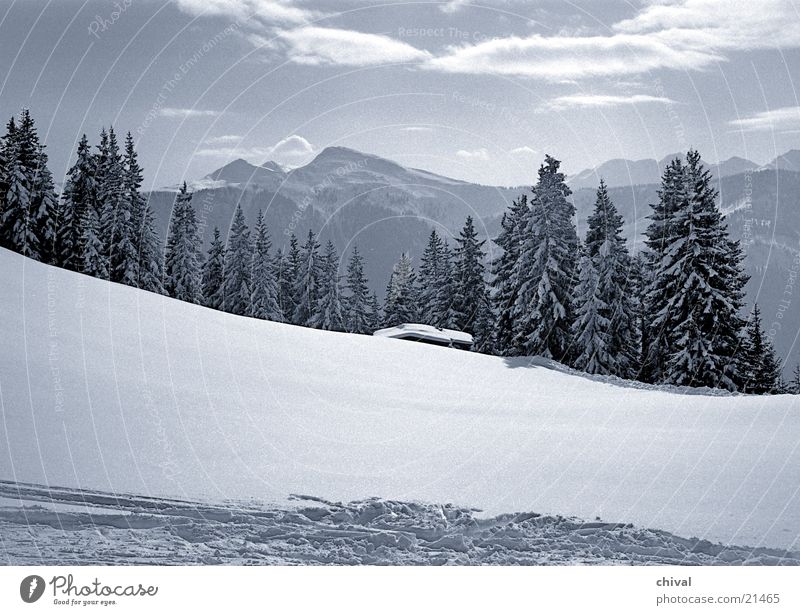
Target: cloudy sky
478,91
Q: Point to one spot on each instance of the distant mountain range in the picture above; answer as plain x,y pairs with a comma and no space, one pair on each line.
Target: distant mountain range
355,198
621,172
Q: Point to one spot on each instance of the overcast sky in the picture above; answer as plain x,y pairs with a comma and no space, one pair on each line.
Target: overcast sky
474,92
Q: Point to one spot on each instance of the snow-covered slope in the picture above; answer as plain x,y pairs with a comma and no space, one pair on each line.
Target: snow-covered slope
106,387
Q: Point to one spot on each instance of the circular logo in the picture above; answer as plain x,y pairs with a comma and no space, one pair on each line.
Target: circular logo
31,588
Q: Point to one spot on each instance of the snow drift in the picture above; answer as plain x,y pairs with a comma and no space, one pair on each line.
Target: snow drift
110,388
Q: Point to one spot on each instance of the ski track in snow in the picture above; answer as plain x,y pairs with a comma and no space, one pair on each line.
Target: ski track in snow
54,526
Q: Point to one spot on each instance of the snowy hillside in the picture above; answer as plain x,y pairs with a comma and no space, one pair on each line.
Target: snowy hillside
109,388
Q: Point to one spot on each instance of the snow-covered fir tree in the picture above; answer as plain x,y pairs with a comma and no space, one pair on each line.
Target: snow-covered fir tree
6,141
444,306
546,269
328,314
182,275
638,281
94,261
307,282
79,195
28,210
375,312
431,276
45,206
591,330
470,296
290,271
116,214
149,266
237,288
794,385
759,369
356,301
616,291
214,272
504,282
151,256
401,294
264,297
661,285
703,269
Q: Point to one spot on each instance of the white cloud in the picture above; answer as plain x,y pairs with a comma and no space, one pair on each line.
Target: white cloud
415,129
222,139
784,119
665,34
452,6
292,151
557,58
272,11
313,45
473,155
289,152
583,101
522,151
662,34
721,24
174,112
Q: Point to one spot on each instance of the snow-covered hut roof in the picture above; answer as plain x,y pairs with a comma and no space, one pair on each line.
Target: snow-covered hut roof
426,333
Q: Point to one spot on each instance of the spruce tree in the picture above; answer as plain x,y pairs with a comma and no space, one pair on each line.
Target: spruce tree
705,269
214,273
401,295
794,386
546,269
29,206
759,368
444,307
182,259
375,313
611,262
504,282
470,297
79,195
307,283
328,314
6,142
147,265
662,234
151,256
289,278
356,302
237,288
45,207
264,297
117,223
429,280
591,329
93,258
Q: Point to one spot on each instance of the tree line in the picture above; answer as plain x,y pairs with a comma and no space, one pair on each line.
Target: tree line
671,314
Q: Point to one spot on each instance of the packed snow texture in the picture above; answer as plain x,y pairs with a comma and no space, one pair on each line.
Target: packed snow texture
110,388
46,526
